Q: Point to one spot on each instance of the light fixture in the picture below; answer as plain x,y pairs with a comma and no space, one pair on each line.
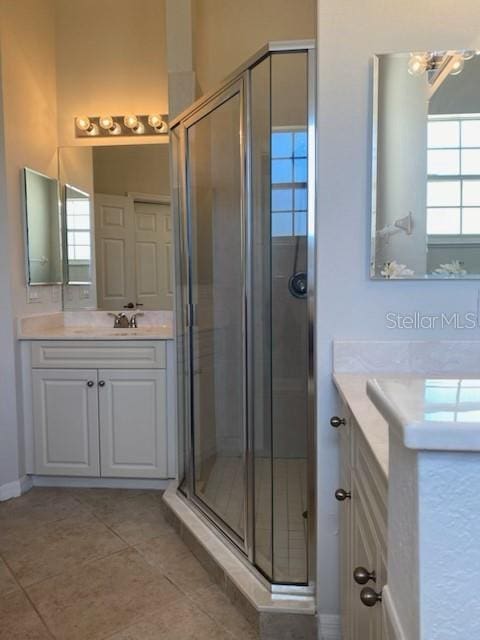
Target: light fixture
131,121
84,124
458,63
109,124
126,125
157,123
418,64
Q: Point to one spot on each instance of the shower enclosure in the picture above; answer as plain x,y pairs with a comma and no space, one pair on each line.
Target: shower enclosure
243,165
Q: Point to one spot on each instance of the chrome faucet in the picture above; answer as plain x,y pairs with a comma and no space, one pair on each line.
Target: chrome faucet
133,320
121,321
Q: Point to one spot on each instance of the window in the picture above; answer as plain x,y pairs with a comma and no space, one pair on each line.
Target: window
453,186
78,225
289,182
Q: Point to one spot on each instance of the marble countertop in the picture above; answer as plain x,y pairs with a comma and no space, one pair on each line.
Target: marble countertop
352,388
431,413
94,325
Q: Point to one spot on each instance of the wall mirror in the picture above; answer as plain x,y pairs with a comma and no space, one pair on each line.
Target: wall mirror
118,236
426,165
43,235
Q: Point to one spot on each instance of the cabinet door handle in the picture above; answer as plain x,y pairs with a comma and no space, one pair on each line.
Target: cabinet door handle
362,575
369,597
101,383
336,422
341,495
90,383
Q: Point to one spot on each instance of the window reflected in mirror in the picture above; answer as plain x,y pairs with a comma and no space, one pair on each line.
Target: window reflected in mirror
426,166
78,236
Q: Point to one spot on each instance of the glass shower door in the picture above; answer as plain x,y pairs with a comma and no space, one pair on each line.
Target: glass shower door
217,317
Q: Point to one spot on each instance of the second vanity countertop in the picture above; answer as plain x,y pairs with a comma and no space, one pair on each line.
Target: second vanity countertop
94,325
352,388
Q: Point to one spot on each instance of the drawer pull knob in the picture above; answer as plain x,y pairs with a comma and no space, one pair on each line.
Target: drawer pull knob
336,422
362,575
369,597
101,383
341,495
90,383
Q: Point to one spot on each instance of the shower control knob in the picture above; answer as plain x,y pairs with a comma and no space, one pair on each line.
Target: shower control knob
362,575
341,495
336,422
369,597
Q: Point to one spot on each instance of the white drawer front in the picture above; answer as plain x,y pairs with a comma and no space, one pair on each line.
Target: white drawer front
98,354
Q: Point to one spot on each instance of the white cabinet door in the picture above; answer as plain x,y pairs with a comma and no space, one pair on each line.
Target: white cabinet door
366,621
65,418
133,423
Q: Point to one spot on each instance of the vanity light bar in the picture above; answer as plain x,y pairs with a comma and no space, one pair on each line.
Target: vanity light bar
128,125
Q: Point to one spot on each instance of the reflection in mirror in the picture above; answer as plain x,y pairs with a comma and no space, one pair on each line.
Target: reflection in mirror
43,236
426,173
78,236
128,231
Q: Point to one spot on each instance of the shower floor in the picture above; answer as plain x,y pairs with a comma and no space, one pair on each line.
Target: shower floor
223,491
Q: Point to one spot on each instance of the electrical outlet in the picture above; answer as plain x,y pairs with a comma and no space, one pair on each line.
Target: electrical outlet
33,295
84,293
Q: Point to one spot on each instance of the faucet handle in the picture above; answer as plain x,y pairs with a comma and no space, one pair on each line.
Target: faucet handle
133,319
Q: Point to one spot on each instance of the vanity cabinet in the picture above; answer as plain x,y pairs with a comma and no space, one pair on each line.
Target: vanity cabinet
363,530
99,414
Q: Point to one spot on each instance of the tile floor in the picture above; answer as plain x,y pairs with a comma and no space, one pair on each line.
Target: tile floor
93,564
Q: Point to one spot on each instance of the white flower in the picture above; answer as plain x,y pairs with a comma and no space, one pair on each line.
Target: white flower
453,268
393,269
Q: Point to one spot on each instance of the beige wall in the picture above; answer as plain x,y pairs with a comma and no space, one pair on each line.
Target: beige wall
140,168
227,32
28,137
111,58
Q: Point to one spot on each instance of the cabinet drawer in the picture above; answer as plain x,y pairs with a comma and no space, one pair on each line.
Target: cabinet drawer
98,354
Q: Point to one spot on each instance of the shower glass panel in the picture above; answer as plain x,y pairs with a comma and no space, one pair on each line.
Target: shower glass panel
217,290
243,164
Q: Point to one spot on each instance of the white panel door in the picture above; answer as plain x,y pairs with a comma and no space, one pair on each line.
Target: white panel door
115,251
65,417
133,423
153,255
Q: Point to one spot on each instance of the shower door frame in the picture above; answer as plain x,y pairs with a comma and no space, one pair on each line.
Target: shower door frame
240,82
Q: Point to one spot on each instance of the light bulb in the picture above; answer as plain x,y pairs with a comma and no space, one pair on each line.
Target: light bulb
140,128
131,121
468,54
106,122
155,120
457,65
417,65
83,123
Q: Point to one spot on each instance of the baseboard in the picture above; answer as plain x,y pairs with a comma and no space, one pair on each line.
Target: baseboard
330,627
99,483
15,489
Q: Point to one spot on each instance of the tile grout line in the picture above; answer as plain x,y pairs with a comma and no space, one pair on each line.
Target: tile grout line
23,590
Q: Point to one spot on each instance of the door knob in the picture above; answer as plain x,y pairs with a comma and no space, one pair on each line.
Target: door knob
362,575
90,383
101,383
341,495
369,597
335,421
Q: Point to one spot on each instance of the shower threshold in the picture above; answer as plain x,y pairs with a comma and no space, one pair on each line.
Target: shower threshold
282,607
